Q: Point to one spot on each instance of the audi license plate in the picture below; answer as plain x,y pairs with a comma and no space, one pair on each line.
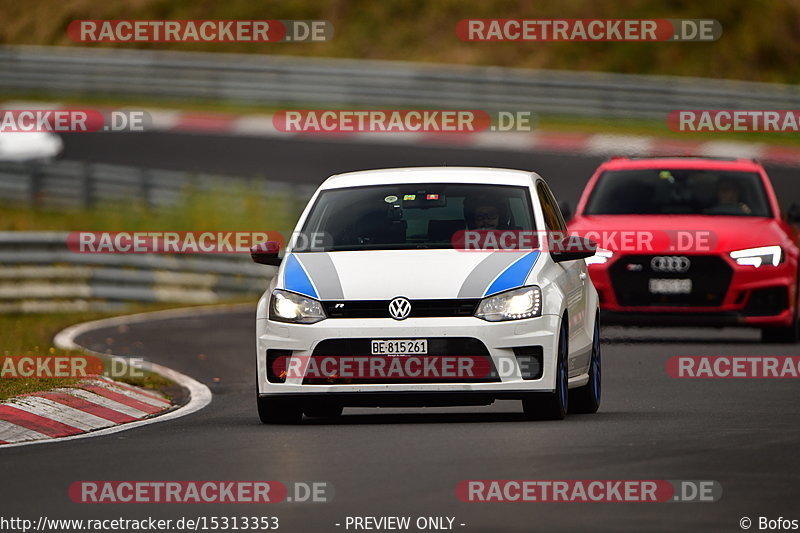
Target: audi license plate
670,286
400,347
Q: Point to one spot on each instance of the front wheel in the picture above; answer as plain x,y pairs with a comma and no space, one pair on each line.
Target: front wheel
586,399
552,405
787,334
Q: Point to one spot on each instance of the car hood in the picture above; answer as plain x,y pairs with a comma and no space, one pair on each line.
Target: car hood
679,233
414,274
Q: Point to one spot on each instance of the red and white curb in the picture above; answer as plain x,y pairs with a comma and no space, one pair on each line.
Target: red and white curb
101,406
91,405
541,140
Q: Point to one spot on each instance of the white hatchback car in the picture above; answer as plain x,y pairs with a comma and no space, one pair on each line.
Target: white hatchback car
377,302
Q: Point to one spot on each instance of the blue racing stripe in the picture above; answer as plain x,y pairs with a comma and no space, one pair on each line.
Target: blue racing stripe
514,276
295,278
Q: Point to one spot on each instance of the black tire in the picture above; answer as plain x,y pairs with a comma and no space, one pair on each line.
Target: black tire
552,405
586,399
323,409
273,410
787,335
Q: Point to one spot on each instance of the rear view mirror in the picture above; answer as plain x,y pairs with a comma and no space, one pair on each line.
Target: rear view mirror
266,253
577,248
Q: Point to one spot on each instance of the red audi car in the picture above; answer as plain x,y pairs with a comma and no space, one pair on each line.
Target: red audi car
691,242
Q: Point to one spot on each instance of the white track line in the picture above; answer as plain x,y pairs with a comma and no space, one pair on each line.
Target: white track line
199,394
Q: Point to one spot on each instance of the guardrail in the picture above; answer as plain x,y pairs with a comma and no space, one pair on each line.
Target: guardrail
277,80
65,183
38,273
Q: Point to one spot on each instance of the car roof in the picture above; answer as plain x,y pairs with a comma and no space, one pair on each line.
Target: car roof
678,162
495,176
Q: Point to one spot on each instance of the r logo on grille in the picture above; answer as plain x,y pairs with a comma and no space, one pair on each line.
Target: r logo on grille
399,308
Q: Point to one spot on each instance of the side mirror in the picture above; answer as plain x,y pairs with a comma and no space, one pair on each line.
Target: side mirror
266,253
793,214
576,248
566,210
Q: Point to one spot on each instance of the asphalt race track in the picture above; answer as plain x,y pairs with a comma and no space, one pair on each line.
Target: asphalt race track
742,433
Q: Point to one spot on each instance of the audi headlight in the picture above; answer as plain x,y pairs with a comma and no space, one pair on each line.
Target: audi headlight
600,257
766,255
511,305
287,306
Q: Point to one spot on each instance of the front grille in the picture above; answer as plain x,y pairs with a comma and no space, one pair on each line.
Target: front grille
437,346
419,308
767,302
631,275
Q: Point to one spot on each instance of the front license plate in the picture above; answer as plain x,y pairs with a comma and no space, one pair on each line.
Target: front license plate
670,286
400,347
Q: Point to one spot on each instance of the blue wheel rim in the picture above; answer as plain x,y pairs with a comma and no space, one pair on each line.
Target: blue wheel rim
562,372
596,363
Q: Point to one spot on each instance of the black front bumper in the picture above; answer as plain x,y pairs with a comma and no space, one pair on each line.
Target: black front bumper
407,398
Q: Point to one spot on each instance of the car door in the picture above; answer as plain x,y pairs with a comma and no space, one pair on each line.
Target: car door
574,284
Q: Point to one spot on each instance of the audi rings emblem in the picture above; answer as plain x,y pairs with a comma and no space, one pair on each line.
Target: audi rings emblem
399,308
670,263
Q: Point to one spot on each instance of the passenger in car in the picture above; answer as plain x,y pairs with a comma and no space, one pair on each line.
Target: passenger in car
729,199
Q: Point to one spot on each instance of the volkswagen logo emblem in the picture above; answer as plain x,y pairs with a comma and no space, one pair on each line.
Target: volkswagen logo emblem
399,308
670,263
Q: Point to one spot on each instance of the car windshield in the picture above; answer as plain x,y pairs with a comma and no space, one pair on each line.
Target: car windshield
678,192
418,215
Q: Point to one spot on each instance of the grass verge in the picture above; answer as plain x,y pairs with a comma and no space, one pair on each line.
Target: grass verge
32,335
231,209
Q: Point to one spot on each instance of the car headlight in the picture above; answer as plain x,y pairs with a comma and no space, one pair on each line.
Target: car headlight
766,255
511,305
600,257
287,306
